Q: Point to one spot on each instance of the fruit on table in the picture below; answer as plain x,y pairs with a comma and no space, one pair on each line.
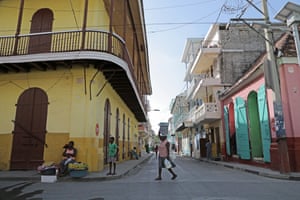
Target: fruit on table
77,166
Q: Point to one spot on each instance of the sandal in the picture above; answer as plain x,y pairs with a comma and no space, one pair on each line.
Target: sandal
174,177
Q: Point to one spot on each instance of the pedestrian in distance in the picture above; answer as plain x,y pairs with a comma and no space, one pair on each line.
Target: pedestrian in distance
112,156
164,153
208,150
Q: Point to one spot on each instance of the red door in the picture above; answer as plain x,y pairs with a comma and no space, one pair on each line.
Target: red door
29,130
42,21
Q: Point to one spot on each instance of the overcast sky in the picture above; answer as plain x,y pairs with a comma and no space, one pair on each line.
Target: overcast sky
169,23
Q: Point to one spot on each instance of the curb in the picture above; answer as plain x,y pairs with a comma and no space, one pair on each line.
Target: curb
37,177
254,171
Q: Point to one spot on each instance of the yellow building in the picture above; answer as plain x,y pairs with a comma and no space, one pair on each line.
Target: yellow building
71,70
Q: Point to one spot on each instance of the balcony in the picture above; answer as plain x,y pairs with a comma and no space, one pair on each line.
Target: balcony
143,129
51,50
206,113
206,56
200,82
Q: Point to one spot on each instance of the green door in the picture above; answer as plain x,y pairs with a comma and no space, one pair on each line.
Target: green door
241,127
264,123
254,126
226,123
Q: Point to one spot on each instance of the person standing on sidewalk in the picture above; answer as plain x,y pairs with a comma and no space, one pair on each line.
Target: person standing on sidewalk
164,152
208,150
112,155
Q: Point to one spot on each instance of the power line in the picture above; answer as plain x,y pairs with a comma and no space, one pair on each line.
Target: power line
180,6
73,11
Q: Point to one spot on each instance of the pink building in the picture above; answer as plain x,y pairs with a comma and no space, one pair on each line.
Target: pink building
249,122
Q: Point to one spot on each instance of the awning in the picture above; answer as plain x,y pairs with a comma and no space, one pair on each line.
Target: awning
184,125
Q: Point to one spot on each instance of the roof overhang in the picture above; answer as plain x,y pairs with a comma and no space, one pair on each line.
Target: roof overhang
114,69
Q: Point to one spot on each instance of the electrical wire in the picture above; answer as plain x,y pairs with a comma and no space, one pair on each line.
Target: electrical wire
74,15
180,6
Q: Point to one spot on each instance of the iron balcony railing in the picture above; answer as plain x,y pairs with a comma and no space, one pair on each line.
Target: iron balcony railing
69,41
54,42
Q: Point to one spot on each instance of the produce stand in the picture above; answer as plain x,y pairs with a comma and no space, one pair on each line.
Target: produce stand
78,170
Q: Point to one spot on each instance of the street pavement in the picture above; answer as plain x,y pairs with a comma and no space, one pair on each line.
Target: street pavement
127,166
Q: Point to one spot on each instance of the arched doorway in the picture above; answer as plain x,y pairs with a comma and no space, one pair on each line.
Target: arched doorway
29,130
128,136
232,131
227,136
117,129
123,137
254,126
106,134
42,21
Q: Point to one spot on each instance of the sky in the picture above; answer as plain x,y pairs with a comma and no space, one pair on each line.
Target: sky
168,24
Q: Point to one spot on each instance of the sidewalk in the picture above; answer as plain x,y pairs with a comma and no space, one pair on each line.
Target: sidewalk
127,166
122,169
255,170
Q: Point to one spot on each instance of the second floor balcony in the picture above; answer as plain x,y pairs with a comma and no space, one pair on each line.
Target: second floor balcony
205,56
106,51
199,83
206,113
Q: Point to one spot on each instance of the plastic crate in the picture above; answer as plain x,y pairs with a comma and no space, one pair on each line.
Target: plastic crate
78,173
48,179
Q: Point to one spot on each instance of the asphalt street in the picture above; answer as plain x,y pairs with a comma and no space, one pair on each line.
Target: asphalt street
196,181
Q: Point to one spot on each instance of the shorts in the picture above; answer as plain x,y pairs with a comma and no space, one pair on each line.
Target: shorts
162,165
111,159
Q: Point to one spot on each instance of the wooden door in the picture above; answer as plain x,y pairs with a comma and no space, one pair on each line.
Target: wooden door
227,136
107,114
241,127
254,126
29,130
117,130
264,123
41,22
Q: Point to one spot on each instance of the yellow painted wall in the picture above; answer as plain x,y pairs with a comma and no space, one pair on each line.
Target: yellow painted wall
64,19
5,150
72,115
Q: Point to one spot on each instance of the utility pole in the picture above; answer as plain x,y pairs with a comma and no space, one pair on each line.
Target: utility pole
272,75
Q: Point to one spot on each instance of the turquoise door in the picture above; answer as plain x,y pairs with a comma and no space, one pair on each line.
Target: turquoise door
226,121
264,123
241,126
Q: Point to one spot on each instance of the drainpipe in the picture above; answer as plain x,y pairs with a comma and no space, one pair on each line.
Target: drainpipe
84,23
110,26
19,26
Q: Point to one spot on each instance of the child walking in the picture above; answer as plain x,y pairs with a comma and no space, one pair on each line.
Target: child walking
112,155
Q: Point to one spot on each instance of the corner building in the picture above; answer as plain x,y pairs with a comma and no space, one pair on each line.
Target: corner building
71,70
